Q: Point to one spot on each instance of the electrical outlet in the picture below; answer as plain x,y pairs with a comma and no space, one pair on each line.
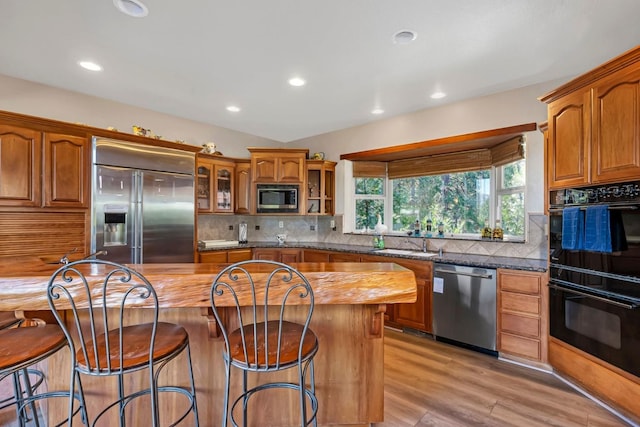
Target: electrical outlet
332,223
312,228
280,224
231,227
257,227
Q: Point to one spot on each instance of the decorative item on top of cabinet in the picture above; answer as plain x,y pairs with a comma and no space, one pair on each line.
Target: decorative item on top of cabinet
278,165
65,182
215,185
522,318
594,130
321,187
243,187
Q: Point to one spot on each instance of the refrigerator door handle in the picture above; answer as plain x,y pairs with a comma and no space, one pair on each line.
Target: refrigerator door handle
137,217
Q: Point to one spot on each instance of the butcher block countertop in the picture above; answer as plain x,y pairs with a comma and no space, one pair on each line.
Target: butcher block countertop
24,281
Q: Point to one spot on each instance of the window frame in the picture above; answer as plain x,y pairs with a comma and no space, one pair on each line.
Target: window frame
497,191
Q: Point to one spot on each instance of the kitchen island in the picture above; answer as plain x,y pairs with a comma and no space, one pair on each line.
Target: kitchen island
350,302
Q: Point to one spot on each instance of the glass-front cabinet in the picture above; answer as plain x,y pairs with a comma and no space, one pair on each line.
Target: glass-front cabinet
320,187
215,185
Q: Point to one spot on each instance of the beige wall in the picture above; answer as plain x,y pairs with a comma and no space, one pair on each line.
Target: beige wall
21,96
504,109
495,111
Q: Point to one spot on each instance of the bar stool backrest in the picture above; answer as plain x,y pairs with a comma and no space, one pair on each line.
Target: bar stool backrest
96,293
257,293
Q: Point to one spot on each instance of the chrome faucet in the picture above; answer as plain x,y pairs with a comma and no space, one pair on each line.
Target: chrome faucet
424,244
100,252
65,257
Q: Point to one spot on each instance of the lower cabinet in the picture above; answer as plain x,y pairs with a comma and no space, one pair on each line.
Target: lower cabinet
225,256
522,306
312,255
415,315
284,255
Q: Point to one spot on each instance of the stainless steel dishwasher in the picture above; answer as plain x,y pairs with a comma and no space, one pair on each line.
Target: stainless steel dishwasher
464,305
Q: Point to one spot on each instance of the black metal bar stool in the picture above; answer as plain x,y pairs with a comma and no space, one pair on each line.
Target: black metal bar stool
22,347
97,293
260,298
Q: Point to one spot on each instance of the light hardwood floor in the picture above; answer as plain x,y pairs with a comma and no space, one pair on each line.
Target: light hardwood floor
429,383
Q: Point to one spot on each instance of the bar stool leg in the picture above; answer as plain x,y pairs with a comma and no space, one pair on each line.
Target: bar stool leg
22,409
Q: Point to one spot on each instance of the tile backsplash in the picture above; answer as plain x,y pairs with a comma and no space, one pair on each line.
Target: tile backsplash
318,229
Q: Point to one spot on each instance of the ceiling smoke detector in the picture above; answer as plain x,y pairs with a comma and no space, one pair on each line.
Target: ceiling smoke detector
404,37
134,8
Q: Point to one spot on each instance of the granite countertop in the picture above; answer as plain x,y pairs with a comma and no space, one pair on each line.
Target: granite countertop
472,260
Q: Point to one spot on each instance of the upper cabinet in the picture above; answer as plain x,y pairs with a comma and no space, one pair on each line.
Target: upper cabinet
281,166
243,187
569,140
320,187
43,168
616,127
215,185
594,126
20,166
66,170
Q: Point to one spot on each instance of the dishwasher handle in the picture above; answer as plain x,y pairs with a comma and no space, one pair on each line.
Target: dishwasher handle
462,273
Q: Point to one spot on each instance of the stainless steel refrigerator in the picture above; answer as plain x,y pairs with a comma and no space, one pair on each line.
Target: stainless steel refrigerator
143,203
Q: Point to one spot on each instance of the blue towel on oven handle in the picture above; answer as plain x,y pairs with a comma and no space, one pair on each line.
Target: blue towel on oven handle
573,229
597,237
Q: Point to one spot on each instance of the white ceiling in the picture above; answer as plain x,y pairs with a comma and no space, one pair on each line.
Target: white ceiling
192,58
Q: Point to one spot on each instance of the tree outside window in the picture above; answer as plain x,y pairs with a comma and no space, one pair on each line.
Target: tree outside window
462,201
370,202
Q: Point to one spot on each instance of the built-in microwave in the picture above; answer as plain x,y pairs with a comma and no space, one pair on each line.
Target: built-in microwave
277,198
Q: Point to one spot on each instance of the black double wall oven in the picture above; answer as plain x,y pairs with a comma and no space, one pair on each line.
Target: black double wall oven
594,295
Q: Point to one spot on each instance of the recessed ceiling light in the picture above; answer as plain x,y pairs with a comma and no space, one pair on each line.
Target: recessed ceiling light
377,111
438,95
233,108
89,65
404,37
297,81
134,8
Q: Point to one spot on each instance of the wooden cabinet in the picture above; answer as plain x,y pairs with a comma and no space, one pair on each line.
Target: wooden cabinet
417,315
320,187
522,318
594,126
43,168
282,166
616,127
67,161
20,166
285,255
569,141
243,197
215,185
225,256
312,255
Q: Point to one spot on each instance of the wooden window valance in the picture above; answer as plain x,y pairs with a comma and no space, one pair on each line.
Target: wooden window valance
508,151
440,164
465,161
369,169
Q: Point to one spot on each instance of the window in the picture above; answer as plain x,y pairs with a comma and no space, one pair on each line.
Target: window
510,197
461,201
369,202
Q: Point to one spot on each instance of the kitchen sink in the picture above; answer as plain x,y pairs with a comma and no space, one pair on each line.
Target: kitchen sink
406,252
